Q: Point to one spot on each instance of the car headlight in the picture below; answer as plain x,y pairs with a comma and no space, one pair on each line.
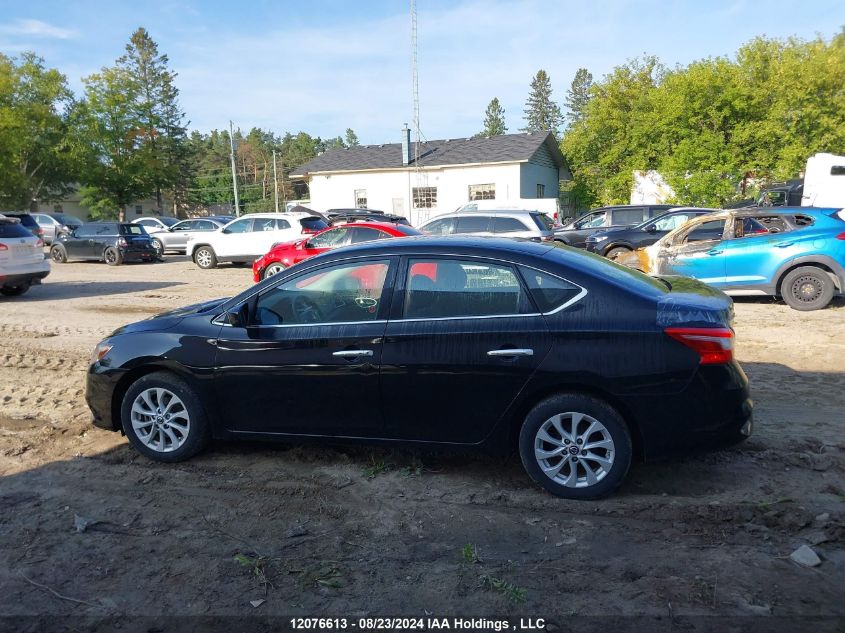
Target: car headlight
102,348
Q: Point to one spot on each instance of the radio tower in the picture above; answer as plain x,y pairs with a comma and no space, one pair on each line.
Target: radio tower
415,88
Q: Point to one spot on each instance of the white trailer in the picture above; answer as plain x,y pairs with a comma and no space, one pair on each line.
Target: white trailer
824,181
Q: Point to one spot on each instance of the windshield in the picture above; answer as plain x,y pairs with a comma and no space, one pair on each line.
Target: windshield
67,220
168,221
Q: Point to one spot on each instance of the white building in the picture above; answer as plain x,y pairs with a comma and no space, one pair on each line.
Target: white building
449,174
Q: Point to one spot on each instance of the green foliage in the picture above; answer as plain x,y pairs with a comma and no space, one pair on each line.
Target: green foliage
469,554
542,114
36,157
351,138
579,95
708,125
494,119
513,592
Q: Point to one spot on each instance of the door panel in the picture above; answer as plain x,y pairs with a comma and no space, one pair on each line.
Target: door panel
309,363
450,378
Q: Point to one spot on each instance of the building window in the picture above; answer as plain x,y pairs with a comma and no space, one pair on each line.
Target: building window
482,192
541,191
138,209
360,198
57,208
425,197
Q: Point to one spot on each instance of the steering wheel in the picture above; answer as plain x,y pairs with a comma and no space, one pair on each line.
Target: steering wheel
306,310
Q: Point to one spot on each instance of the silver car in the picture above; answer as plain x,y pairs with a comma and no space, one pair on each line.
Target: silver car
175,238
532,225
56,224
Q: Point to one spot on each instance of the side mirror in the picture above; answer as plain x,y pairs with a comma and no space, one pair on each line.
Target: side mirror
652,228
233,317
225,231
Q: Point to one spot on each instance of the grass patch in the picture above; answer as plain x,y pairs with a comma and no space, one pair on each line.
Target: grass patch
513,592
469,554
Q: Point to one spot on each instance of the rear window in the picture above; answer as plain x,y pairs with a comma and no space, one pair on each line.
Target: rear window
13,229
313,224
168,221
132,229
507,225
407,230
25,219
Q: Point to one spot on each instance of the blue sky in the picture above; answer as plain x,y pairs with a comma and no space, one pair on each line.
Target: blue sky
325,65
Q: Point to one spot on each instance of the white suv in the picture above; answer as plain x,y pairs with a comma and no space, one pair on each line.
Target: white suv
245,239
22,261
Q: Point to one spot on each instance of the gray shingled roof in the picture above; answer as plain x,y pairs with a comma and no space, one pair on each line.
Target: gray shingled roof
456,151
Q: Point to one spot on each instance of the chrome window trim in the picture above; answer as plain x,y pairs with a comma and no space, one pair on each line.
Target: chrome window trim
575,299
377,321
465,318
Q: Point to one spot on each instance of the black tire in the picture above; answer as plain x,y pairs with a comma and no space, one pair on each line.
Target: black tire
14,291
58,254
616,251
807,288
614,429
158,246
198,432
112,256
207,256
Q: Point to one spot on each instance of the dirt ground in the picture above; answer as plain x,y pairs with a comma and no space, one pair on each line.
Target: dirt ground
353,531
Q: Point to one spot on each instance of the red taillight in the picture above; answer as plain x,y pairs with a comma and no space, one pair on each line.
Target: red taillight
39,244
3,247
841,236
715,346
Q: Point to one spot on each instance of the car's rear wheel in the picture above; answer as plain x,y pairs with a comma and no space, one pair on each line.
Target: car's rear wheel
14,291
163,418
807,288
575,446
112,256
158,247
616,251
205,257
58,254
273,269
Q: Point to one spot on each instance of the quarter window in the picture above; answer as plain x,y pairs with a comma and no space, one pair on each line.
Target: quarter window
441,288
424,197
482,192
549,292
361,234
507,225
329,239
341,294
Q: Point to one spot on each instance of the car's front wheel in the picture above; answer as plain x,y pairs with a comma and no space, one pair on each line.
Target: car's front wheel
158,247
575,446
112,256
205,257
14,291
807,288
58,254
273,269
163,418
616,251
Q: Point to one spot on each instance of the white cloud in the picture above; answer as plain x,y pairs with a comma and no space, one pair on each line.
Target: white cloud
37,28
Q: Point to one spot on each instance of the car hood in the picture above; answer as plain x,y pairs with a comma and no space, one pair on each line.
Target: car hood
167,320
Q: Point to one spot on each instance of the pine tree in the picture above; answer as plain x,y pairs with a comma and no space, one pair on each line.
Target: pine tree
542,114
494,119
578,95
351,138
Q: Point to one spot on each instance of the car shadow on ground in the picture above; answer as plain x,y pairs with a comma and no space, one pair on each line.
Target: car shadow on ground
836,302
75,289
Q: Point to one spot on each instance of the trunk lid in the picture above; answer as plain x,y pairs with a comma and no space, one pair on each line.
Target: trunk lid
693,303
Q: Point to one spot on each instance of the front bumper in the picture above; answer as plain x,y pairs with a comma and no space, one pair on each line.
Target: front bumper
100,385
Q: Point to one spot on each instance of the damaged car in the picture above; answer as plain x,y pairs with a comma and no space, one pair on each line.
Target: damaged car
797,254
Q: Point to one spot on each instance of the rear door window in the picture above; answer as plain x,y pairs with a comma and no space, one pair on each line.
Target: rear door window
241,226
330,239
443,226
550,293
109,229
629,216
508,225
451,288
360,234
473,224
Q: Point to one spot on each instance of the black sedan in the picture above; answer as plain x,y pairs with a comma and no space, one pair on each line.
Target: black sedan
615,242
575,361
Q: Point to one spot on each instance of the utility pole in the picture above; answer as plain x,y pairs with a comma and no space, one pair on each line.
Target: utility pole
275,183
234,176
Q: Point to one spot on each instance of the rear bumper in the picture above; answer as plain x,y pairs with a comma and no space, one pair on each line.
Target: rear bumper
714,410
21,279
138,255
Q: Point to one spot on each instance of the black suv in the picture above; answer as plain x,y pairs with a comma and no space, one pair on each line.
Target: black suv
110,242
613,242
342,216
576,233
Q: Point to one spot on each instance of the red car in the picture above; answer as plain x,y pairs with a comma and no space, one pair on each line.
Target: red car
283,256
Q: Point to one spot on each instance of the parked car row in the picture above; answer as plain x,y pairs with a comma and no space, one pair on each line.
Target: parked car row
22,262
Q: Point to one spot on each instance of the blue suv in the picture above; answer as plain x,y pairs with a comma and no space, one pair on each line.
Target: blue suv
795,253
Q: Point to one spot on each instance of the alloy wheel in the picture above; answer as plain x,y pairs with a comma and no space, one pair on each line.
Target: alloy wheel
273,269
574,450
204,258
160,419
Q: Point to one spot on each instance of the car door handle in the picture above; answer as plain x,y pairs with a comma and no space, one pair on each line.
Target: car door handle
784,244
510,352
353,353
714,252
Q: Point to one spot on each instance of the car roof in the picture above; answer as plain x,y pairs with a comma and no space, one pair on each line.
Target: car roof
477,212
